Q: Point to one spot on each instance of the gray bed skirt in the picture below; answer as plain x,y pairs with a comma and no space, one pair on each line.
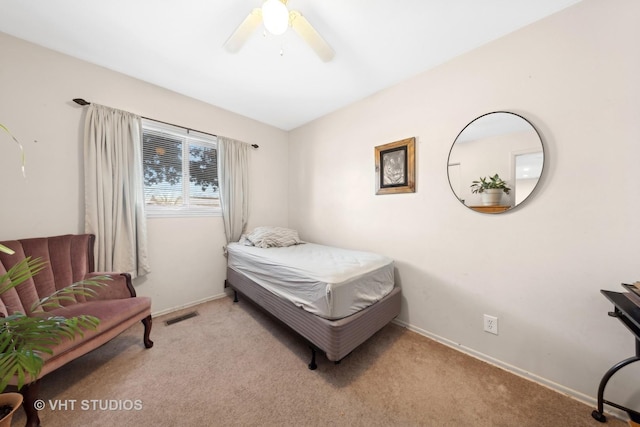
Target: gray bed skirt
336,338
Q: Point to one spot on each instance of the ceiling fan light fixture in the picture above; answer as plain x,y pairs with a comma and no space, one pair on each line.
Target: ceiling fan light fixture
275,16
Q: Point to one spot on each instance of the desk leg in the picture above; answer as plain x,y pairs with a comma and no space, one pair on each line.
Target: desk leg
599,413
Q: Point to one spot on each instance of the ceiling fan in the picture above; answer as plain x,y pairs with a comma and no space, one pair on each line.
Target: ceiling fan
277,18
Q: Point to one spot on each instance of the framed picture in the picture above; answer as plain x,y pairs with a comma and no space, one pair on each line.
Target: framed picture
395,167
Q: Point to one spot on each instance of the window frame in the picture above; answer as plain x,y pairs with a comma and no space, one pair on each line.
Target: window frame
189,137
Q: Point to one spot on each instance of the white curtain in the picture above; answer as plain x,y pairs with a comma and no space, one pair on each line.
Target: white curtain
233,177
114,201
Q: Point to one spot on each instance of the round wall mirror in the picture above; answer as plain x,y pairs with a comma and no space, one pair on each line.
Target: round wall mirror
496,162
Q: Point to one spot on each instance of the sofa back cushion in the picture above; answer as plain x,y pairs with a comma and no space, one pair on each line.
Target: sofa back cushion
68,259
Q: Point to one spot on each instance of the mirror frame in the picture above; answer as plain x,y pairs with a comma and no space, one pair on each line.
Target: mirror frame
533,190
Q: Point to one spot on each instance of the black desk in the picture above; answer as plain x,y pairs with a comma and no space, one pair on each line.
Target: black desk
628,312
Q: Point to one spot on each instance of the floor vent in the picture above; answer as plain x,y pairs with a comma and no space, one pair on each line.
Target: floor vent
181,318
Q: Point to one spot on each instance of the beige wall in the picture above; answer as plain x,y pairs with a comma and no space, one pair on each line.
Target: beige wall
36,89
539,268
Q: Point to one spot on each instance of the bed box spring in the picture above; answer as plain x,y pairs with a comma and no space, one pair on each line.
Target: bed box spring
336,338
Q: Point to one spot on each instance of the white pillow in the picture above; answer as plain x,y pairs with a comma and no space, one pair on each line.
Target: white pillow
270,237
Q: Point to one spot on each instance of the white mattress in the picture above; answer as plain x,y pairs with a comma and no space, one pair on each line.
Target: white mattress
330,282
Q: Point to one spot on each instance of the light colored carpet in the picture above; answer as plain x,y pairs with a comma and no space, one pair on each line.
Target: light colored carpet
235,366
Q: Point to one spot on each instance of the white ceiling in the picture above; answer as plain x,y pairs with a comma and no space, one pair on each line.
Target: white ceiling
178,45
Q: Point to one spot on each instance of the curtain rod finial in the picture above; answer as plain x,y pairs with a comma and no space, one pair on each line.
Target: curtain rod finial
81,101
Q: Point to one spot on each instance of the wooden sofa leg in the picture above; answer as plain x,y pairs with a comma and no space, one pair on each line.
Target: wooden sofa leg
30,394
147,330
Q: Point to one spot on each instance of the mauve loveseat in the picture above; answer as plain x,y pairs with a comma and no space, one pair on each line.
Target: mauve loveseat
70,259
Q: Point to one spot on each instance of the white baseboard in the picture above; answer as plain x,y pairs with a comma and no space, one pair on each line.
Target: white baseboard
188,305
581,397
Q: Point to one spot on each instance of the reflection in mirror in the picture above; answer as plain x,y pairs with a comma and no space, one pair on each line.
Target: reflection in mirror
528,168
503,144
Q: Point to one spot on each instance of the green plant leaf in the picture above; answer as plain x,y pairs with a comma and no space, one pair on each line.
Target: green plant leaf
22,155
25,339
83,288
492,182
22,271
6,250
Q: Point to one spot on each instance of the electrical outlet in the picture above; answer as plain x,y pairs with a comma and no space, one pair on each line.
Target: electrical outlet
491,324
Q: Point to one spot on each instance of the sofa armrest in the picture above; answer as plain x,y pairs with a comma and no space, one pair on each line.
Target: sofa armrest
118,287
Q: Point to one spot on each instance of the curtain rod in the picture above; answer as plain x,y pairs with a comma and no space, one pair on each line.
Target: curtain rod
82,103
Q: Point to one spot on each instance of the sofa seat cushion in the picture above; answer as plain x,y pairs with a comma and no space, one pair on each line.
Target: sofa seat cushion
111,313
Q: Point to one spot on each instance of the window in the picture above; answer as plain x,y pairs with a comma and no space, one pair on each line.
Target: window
180,169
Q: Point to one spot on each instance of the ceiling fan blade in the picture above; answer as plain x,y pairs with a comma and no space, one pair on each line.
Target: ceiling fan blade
301,26
235,42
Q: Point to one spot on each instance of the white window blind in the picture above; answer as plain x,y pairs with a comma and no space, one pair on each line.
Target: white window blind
180,169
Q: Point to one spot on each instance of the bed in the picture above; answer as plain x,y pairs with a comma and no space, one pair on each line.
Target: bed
334,298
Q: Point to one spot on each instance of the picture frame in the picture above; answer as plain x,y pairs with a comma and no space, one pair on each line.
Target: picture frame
395,167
